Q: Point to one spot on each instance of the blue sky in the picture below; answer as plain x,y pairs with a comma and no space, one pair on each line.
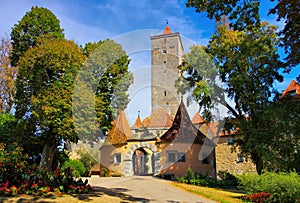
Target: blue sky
92,20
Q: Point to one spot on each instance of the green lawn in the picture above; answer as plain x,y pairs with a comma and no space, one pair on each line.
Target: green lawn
216,194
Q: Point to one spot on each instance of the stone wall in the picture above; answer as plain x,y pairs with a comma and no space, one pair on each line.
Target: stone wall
231,161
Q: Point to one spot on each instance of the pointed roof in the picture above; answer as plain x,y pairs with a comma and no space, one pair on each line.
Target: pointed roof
138,123
293,87
183,130
159,118
197,119
120,131
167,30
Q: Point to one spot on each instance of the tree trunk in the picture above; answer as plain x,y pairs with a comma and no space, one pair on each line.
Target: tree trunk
258,163
48,154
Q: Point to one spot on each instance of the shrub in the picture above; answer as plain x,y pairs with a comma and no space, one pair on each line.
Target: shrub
18,177
283,187
76,167
228,181
87,160
260,197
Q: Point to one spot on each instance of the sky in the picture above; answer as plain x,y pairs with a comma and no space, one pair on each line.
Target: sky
130,23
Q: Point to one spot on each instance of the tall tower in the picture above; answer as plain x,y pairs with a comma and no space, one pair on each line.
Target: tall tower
166,56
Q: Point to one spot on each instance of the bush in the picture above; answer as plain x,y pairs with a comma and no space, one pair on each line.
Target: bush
228,181
76,167
18,177
87,160
282,187
257,197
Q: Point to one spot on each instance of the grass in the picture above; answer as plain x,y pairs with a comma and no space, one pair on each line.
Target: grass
216,194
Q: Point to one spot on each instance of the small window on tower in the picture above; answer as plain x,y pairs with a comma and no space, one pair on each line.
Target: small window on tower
165,62
165,93
164,51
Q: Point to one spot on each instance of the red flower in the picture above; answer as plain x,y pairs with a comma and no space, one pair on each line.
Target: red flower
34,185
56,171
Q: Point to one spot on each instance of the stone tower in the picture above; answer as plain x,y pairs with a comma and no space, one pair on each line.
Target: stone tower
166,56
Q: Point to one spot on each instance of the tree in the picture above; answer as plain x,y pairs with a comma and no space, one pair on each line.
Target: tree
24,35
289,11
245,14
44,92
13,130
248,64
8,75
277,138
104,79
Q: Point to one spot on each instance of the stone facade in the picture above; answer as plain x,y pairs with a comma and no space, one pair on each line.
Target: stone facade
166,57
231,161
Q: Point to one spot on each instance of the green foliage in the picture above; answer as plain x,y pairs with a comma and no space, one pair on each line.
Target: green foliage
283,187
35,23
18,177
244,15
248,65
198,79
87,160
289,11
12,163
227,180
108,78
76,166
278,128
7,128
45,85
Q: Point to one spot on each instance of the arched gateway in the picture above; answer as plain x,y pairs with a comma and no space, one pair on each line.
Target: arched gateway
152,162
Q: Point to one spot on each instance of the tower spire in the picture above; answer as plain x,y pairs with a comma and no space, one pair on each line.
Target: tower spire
167,29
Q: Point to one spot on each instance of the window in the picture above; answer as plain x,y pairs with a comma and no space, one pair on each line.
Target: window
117,158
164,51
240,158
174,156
165,93
205,159
181,157
171,156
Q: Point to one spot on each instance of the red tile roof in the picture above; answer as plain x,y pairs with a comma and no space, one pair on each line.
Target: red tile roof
159,118
120,131
183,130
293,87
197,119
138,123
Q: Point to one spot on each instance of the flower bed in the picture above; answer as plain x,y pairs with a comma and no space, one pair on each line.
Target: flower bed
17,177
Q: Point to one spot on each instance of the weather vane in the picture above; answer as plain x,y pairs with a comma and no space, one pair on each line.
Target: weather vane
167,22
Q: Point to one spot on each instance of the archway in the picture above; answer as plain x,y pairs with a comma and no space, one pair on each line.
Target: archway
149,164
143,162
